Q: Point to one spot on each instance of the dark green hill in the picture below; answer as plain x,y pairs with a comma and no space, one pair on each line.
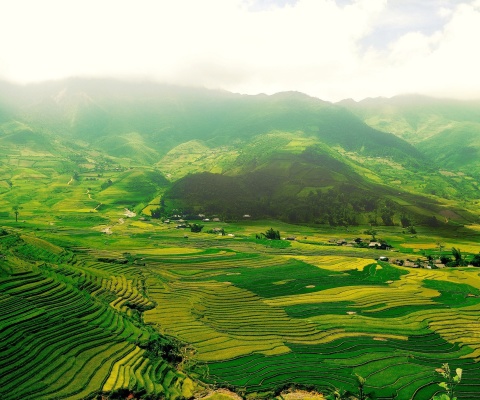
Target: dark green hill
315,185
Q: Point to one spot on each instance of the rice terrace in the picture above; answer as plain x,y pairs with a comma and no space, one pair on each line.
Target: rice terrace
266,247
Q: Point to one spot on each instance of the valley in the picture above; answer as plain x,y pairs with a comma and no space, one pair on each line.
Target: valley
135,257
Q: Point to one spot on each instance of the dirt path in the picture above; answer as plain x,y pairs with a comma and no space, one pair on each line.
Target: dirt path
129,214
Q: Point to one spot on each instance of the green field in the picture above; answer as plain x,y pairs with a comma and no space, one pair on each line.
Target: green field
81,306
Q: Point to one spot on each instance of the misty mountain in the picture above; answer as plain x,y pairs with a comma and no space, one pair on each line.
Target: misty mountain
160,117
288,155
447,131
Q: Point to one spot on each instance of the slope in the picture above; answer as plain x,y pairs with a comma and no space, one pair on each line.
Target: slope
279,176
447,131
148,119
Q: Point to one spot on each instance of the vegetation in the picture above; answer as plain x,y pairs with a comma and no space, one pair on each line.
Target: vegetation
450,383
16,211
272,234
196,227
102,295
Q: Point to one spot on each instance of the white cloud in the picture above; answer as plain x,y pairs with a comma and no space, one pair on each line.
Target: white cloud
441,64
250,46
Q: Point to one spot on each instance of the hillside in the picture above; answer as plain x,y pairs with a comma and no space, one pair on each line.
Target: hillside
286,151
446,131
153,116
315,184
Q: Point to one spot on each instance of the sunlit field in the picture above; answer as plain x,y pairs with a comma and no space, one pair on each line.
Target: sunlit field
248,314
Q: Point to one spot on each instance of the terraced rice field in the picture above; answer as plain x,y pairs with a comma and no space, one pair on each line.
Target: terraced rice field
259,321
76,322
70,327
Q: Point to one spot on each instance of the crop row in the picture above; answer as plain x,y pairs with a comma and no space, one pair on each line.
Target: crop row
235,317
391,367
57,341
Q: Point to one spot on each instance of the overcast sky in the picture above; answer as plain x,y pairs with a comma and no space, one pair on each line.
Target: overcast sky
331,49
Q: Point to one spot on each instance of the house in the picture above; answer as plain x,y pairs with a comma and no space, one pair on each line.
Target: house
246,216
379,246
411,264
216,219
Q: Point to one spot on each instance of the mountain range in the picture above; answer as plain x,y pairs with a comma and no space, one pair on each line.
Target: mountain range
405,160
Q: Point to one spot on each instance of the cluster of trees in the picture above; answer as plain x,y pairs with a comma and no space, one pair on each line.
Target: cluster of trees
159,346
457,259
196,228
271,234
160,211
106,184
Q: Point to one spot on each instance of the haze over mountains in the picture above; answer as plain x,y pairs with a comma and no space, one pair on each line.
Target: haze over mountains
447,131
286,156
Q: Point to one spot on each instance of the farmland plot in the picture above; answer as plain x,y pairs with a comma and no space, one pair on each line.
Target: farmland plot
260,322
78,322
70,328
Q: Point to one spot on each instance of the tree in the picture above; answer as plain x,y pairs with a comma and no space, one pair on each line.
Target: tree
361,387
411,229
476,260
16,210
387,216
372,232
458,258
445,260
196,228
272,234
157,213
338,394
405,221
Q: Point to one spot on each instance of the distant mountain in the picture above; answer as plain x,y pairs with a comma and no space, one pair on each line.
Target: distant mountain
286,156
447,131
161,117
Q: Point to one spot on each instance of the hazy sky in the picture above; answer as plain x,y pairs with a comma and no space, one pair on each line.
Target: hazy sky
331,49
